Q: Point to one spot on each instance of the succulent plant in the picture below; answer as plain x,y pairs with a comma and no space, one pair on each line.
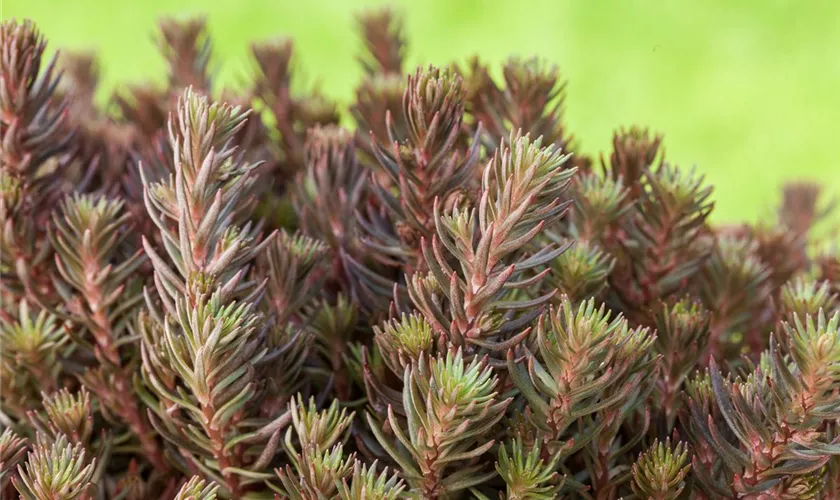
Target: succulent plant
210,293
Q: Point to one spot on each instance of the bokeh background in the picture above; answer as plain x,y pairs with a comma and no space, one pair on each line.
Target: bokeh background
748,91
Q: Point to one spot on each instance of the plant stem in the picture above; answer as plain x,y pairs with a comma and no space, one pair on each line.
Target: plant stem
126,405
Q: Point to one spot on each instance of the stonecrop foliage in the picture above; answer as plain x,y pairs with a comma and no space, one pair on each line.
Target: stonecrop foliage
431,294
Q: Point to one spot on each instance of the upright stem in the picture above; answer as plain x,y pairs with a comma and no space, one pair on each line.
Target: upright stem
222,456
670,391
601,482
126,405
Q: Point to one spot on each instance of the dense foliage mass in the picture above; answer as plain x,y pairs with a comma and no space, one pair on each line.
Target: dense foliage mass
209,293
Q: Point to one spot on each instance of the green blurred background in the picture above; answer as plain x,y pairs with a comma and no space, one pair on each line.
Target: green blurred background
747,91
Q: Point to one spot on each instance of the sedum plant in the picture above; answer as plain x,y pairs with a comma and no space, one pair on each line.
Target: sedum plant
660,471
55,470
197,489
432,294
450,406
527,474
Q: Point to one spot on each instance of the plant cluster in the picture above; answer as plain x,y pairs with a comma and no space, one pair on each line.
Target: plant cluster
215,293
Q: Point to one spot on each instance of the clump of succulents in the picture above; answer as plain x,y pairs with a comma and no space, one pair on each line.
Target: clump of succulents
216,294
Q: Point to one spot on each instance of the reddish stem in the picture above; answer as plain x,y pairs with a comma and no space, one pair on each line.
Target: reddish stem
126,405
222,456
